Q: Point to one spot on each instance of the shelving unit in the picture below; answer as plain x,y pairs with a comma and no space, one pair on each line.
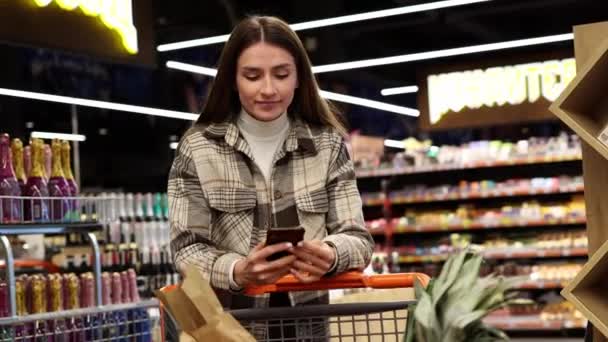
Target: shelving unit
86,224
478,226
467,166
475,196
527,253
532,322
388,202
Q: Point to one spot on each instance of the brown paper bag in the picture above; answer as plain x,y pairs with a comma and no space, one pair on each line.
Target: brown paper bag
196,309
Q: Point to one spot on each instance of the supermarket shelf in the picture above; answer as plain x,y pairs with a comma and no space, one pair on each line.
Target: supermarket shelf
143,304
540,285
531,322
477,165
480,195
479,226
523,253
49,228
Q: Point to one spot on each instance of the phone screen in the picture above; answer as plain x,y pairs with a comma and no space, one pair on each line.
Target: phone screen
282,235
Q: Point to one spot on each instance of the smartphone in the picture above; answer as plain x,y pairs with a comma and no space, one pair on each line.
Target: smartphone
282,235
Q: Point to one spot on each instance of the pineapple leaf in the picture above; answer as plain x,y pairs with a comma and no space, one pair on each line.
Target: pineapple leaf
410,325
446,279
426,318
463,296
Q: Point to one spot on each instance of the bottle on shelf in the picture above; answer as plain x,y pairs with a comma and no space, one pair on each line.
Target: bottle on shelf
165,237
55,293
5,331
38,288
18,163
139,233
110,330
141,325
113,219
87,293
22,331
59,187
66,163
144,247
36,208
130,217
127,227
47,160
157,274
9,186
74,326
27,160
120,317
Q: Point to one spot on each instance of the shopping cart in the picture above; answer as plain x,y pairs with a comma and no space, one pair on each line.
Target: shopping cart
374,321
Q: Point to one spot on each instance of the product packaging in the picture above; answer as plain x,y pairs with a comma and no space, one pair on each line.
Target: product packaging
198,312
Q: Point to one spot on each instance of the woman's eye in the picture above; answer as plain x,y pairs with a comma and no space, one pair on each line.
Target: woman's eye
251,77
282,76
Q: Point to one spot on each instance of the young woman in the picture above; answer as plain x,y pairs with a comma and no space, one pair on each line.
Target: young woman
267,152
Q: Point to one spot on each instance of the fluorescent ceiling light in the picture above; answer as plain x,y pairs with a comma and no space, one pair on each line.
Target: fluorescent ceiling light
394,143
369,103
399,90
330,22
173,145
191,68
442,53
99,104
60,136
326,94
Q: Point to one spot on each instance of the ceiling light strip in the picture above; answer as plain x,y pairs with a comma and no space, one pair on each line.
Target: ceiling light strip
98,104
330,22
399,90
443,53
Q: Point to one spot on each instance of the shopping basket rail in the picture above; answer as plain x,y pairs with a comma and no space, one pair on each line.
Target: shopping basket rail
348,280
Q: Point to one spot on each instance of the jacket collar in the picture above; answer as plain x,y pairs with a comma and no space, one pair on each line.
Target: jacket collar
298,138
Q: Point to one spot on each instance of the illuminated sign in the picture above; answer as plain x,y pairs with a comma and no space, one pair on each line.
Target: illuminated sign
497,86
115,14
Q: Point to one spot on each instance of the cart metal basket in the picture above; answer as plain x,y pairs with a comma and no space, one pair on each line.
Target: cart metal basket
378,321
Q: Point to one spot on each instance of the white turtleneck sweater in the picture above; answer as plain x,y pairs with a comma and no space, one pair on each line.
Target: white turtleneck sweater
264,139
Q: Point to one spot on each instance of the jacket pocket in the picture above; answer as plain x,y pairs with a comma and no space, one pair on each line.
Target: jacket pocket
312,209
232,217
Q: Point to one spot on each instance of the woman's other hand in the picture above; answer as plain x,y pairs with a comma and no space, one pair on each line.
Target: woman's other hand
314,260
256,270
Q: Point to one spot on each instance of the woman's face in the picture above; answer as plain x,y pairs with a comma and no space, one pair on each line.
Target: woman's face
266,79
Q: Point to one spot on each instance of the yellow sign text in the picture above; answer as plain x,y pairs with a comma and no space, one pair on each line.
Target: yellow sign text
499,86
115,14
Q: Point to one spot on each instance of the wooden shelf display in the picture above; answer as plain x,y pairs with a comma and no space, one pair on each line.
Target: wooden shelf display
583,106
587,291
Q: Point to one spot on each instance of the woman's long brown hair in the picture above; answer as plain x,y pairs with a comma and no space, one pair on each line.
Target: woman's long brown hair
223,103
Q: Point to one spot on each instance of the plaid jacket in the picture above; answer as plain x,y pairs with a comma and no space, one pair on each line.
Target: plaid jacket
221,207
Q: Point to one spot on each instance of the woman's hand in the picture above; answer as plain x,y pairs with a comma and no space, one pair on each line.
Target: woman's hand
256,270
314,260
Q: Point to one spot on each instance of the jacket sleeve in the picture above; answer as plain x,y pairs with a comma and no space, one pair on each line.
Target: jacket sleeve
190,220
347,232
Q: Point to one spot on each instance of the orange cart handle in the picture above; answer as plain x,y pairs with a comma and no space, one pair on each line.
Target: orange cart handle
348,280
31,263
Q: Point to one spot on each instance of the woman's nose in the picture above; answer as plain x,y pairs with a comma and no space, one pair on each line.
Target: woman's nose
268,88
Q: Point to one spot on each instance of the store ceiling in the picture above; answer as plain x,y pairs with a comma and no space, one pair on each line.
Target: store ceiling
488,22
